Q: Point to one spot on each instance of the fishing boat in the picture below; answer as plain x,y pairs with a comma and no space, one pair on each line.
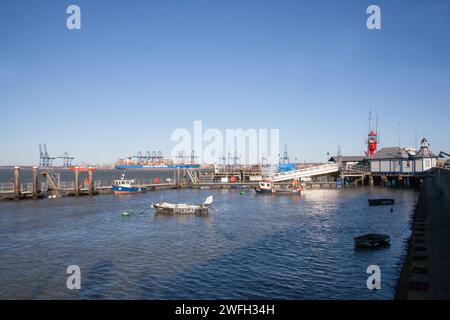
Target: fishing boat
182,208
380,202
372,240
125,186
268,187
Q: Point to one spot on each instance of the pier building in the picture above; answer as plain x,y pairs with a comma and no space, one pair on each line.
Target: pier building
402,161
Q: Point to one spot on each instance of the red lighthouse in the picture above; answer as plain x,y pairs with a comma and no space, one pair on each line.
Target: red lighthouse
372,141
372,138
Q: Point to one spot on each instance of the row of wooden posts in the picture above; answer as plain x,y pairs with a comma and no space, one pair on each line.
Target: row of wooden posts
35,191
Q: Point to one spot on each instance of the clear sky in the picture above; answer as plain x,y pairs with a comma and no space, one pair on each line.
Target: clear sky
137,70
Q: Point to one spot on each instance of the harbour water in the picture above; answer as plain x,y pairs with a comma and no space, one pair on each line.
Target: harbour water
252,247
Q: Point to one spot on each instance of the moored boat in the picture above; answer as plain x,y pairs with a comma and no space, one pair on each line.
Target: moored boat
372,240
125,186
182,208
268,187
380,202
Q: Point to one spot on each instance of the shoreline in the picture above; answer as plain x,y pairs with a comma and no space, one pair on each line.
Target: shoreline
424,273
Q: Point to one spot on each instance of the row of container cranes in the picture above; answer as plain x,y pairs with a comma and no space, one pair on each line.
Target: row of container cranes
47,161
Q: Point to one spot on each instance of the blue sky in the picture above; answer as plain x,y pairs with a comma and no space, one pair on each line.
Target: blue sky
137,70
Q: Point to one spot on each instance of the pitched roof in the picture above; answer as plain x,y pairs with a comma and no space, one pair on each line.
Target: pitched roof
391,153
347,158
424,152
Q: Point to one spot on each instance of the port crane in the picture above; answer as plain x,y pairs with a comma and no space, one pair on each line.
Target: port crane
236,158
181,156
149,157
67,159
139,157
193,157
285,159
45,160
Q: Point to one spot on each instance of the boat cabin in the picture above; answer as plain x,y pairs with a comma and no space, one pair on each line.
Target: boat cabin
265,185
123,183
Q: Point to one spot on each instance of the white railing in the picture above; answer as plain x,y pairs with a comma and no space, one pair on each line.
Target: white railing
304,173
356,167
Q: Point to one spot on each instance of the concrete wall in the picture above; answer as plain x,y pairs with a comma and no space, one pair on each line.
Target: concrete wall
442,180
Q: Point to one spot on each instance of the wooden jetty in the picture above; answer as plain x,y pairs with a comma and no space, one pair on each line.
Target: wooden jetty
222,177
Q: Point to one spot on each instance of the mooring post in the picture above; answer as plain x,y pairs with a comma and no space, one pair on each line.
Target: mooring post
77,181
16,183
370,181
91,182
35,183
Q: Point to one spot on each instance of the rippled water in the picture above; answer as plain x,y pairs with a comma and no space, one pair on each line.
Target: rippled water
253,247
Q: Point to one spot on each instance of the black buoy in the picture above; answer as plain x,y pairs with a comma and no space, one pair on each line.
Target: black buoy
392,210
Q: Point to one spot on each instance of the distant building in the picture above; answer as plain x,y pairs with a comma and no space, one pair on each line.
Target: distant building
347,161
396,160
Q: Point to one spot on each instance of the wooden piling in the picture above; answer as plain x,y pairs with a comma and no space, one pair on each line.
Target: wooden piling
91,182
77,181
35,183
16,183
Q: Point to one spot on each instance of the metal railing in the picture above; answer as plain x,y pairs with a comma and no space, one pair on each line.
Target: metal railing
356,167
6,188
69,186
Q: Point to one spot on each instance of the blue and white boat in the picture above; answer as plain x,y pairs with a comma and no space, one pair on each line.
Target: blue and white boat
125,186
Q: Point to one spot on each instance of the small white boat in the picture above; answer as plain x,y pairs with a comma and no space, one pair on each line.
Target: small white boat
268,187
182,208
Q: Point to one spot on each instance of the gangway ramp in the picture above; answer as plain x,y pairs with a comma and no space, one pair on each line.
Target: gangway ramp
304,173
